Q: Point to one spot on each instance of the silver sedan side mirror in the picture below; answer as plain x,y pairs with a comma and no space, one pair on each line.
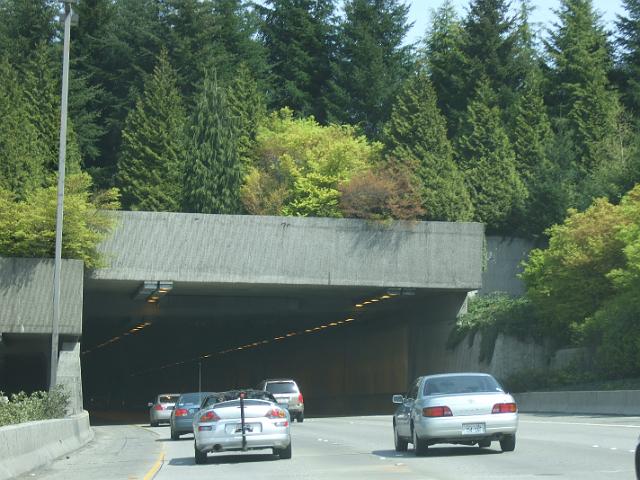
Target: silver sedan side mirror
398,399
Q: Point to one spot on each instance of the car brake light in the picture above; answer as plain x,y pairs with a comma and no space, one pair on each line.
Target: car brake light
276,413
209,417
158,407
300,399
504,408
181,412
437,412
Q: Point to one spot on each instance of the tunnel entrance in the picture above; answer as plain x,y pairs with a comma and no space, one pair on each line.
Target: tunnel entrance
348,348
24,364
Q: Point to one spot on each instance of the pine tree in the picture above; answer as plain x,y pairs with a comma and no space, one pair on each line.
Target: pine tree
446,63
22,154
629,41
25,25
579,88
299,35
416,138
489,48
213,174
246,105
151,167
372,62
487,161
118,43
42,90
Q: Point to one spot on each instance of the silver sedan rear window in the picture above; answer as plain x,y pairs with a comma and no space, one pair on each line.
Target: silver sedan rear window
454,384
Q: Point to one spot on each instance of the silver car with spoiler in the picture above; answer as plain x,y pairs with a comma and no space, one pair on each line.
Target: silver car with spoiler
459,408
241,420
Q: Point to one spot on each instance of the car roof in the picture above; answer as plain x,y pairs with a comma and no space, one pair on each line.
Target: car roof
168,394
459,374
279,380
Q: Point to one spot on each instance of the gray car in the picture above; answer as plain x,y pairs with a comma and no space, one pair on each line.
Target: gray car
459,408
161,407
227,423
287,394
186,407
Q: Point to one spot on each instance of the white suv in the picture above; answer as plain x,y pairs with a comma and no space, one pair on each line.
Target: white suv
287,394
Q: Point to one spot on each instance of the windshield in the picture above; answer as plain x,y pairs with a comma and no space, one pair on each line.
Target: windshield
282,387
454,384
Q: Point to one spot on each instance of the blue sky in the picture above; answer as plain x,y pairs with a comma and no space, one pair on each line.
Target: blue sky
542,15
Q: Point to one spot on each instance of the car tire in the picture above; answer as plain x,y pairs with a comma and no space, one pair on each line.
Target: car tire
420,447
508,443
300,417
284,453
154,424
201,457
174,435
484,443
400,443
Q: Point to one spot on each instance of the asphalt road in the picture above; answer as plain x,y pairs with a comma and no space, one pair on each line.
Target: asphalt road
576,447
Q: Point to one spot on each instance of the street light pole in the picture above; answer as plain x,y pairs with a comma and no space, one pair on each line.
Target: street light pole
68,13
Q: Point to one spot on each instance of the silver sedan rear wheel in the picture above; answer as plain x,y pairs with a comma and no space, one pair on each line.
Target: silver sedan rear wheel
400,443
419,446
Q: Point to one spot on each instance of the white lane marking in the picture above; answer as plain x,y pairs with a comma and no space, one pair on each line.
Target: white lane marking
595,446
325,440
613,448
585,424
381,458
632,451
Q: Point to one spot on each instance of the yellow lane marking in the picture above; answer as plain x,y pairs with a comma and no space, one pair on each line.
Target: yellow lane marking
156,467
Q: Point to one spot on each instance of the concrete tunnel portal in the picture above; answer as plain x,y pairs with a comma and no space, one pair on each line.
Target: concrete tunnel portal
352,310
342,306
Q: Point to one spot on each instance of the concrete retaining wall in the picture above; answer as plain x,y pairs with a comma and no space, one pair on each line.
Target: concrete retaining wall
30,445
615,402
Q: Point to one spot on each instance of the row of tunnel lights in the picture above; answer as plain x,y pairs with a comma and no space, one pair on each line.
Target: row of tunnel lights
275,339
133,331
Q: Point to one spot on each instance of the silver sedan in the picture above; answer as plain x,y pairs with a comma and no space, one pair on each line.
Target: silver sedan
459,408
235,425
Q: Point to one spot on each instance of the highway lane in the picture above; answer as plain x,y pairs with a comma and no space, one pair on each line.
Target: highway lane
567,447
362,448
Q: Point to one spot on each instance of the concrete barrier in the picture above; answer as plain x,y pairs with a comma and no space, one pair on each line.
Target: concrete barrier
614,402
26,446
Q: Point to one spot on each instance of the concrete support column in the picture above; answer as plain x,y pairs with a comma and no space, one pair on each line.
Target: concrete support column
70,374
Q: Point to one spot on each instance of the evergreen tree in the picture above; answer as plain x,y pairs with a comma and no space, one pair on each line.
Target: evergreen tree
41,84
490,48
629,42
579,89
22,154
247,108
446,63
213,174
24,25
299,35
118,42
416,137
487,161
151,167
372,62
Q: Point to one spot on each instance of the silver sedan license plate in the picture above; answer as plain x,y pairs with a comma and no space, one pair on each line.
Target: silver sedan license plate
473,428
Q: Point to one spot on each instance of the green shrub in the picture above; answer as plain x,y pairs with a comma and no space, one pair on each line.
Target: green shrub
492,315
22,407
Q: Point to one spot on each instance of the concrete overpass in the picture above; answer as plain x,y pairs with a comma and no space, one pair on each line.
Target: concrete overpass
349,308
